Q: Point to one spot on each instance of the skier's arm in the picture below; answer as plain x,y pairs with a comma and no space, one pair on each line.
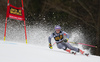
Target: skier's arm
66,34
49,39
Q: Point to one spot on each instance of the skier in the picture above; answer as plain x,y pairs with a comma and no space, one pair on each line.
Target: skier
62,43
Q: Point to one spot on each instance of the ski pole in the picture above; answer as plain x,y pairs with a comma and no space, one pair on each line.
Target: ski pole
83,44
87,45
78,43
54,44
68,42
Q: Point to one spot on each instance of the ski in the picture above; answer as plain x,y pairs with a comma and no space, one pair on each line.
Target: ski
87,54
73,53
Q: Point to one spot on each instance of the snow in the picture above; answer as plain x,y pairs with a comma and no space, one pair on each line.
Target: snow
20,52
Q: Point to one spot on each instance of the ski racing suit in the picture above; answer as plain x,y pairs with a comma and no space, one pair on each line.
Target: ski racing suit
60,37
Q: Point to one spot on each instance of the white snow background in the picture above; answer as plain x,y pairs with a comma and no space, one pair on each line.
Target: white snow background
14,48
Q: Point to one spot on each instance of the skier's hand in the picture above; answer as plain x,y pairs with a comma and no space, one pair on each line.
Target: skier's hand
65,40
50,46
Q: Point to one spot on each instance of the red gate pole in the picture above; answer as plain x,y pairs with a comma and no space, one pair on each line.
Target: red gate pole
5,29
22,4
8,2
6,23
24,23
25,31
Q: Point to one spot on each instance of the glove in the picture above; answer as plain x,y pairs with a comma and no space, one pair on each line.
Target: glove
50,46
65,40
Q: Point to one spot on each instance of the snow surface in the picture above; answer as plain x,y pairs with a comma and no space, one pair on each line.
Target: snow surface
20,52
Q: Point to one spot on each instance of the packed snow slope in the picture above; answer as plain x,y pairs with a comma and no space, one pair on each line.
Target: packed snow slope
18,52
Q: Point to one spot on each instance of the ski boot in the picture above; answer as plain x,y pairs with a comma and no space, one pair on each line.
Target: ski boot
70,51
82,52
87,54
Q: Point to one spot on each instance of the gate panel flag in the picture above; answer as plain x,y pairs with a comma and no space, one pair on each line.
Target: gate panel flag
15,12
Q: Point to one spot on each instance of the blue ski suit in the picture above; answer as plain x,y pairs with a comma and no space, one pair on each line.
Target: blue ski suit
62,45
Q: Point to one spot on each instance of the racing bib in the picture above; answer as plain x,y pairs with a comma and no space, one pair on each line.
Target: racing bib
58,37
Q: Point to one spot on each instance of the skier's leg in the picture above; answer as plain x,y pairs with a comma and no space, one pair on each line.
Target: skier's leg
61,46
65,48
72,48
